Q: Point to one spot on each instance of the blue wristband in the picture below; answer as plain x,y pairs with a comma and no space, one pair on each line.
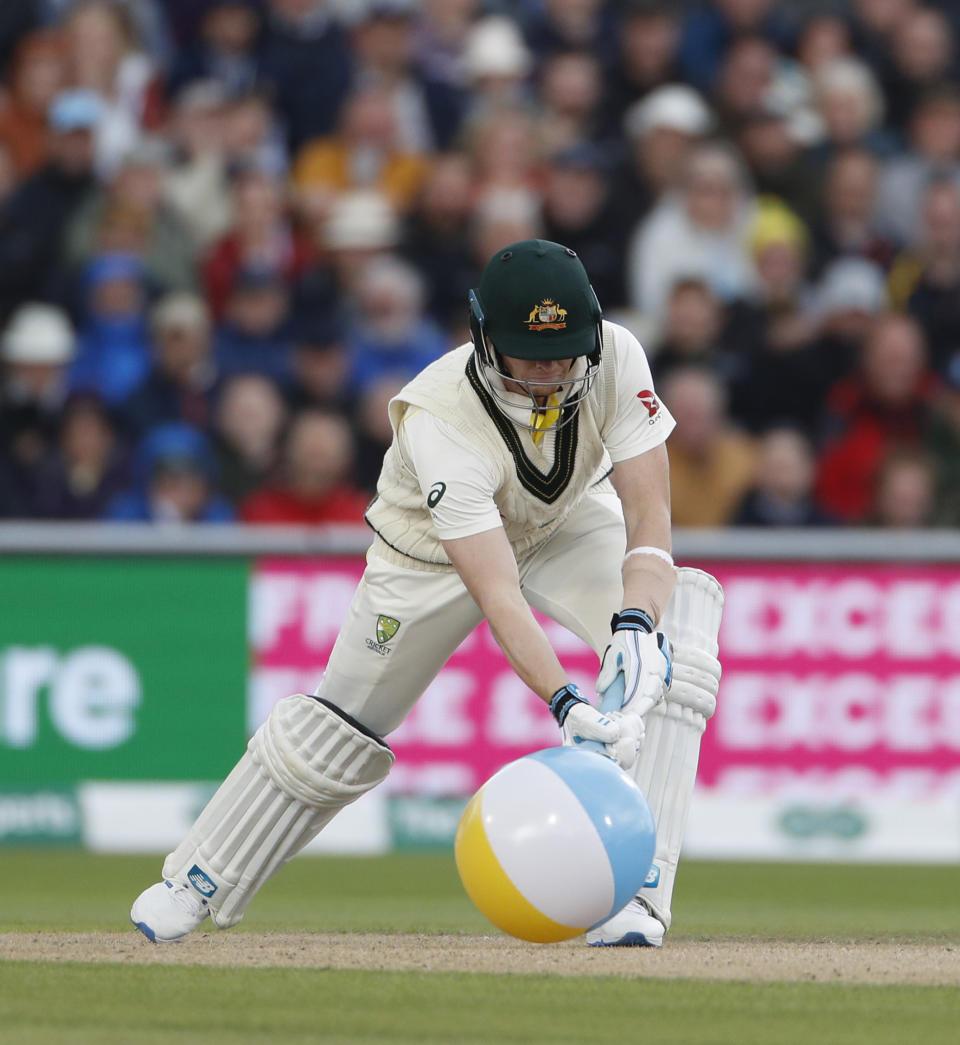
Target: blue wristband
632,620
563,700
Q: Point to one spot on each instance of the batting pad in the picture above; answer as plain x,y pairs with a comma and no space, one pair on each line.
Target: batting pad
666,769
302,766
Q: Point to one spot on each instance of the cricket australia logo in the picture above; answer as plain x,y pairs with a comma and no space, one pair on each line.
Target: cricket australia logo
548,315
387,627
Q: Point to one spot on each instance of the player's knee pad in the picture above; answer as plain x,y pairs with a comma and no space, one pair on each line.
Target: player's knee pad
303,765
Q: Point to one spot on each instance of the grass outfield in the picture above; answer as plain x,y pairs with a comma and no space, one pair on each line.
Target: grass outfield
63,1002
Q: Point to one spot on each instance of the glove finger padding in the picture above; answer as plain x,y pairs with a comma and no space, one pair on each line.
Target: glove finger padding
646,663
622,735
585,722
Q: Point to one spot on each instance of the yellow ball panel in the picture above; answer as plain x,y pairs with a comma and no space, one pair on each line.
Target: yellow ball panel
492,891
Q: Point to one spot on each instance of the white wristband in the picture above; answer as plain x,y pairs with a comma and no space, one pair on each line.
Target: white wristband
650,550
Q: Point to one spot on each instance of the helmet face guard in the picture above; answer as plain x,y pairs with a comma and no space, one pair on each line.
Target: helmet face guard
571,391
535,302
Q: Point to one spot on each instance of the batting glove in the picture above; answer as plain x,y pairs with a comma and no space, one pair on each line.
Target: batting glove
642,656
581,721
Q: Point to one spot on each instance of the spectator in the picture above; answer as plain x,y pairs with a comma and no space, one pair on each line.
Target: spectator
225,48
905,491
114,350
710,30
849,223
783,492
37,75
389,336
373,431
876,25
261,238
307,59
321,366
496,65
923,56
662,131
850,104
90,466
700,231
645,57
886,404
771,145
250,417
36,349
692,330
174,481
746,81
712,464
312,487
106,57
361,226
436,237
926,280
365,153
569,98
561,25
579,212
441,34
934,153
37,213
254,335
505,146
196,183
253,136
130,214
383,40
823,37
850,295
180,384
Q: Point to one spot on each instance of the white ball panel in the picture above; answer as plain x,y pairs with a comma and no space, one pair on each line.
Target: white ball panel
546,843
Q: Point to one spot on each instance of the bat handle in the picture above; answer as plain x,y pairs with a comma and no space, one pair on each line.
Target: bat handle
612,701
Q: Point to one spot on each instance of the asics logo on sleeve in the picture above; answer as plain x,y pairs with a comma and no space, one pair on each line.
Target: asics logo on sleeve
436,492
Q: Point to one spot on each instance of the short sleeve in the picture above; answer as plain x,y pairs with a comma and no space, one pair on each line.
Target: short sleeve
457,481
641,421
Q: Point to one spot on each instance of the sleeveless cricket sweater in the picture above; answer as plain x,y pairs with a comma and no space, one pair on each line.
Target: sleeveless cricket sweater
533,503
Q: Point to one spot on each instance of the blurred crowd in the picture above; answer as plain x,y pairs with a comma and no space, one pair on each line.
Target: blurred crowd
230,230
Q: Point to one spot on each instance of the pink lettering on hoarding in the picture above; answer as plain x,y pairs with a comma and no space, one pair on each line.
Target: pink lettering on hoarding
830,673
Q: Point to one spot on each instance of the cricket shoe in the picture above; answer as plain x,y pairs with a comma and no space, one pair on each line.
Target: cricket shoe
168,911
634,926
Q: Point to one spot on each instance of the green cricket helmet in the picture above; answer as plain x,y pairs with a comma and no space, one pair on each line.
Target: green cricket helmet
534,302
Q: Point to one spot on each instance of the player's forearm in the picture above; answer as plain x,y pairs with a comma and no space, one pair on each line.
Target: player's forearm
525,645
648,572
488,568
643,484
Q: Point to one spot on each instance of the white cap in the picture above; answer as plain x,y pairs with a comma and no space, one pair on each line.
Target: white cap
361,220
674,106
182,310
851,285
495,47
38,334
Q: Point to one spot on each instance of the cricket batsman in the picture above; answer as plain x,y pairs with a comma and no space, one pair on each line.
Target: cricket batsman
527,469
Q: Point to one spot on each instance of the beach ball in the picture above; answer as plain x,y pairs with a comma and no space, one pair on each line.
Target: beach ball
555,843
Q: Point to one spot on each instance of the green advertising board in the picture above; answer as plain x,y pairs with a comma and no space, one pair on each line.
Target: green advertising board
121,669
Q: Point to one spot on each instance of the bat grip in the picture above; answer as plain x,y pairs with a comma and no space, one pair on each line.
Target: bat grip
612,701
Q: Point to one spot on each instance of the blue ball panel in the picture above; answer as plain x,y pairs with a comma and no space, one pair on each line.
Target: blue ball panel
618,810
